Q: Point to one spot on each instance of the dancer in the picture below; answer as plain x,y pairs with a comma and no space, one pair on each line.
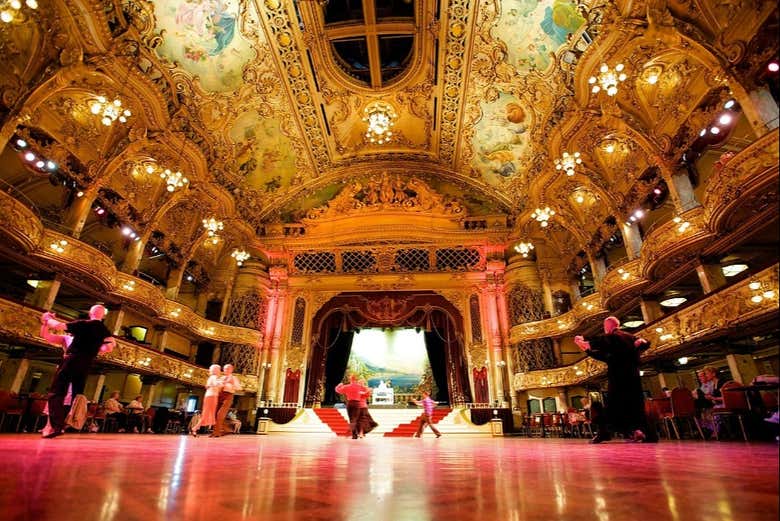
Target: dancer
428,404
366,423
354,391
230,385
210,400
89,337
625,409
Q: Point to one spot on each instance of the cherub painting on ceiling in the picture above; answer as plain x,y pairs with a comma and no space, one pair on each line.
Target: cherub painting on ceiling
264,156
533,29
500,138
202,36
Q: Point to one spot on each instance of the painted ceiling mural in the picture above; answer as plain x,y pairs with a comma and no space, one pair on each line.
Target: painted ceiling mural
203,37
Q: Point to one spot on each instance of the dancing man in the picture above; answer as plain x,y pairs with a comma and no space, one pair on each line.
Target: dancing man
89,338
230,385
625,409
354,391
428,405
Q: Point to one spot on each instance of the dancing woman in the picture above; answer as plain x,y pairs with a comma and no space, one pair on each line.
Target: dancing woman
210,400
366,423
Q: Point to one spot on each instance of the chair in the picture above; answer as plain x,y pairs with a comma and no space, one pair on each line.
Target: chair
735,405
10,406
36,412
683,408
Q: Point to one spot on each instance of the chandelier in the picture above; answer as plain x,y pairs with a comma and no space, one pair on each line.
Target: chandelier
524,248
173,180
109,111
212,227
608,79
11,8
568,162
380,117
240,256
543,215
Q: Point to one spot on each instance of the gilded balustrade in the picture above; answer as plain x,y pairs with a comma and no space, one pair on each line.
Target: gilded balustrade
83,262
726,309
21,322
587,308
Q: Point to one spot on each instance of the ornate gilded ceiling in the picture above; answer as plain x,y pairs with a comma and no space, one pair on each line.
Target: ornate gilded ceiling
262,106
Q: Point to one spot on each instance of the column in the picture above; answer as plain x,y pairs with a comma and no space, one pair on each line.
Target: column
598,267
651,309
681,190
632,240
160,338
114,320
20,375
76,216
710,276
562,399
764,113
150,390
101,380
46,292
135,252
173,284
494,345
668,380
547,295
743,368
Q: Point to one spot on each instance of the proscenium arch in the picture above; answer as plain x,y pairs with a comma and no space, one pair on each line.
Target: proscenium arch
425,309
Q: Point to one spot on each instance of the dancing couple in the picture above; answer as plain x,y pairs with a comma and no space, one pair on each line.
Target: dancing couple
357,393
220,388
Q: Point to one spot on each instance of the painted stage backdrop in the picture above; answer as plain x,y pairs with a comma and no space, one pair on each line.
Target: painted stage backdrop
397,355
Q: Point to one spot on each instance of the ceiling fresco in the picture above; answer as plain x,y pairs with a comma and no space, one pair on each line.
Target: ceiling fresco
204,38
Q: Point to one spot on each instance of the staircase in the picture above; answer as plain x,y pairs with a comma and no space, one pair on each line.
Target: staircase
334,419
407,430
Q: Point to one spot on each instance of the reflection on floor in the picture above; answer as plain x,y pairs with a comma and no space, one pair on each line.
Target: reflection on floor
129,477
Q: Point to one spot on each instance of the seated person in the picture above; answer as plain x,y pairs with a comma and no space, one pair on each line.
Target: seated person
135,414
233,422
115,410
708,396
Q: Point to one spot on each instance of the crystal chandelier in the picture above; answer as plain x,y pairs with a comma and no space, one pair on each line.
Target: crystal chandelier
212,227
524,248
608,79
11,8
543,215
109,111
240,256
568,163
173,180
380,117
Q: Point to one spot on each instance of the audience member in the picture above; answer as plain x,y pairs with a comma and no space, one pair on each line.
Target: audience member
114,410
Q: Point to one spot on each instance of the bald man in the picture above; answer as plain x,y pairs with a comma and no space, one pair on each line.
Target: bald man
90,337
625,400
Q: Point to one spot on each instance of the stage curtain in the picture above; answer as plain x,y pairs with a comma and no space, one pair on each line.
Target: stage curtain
435,347
481,394
336,365
291,383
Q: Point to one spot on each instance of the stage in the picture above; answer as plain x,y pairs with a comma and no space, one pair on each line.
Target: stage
135,477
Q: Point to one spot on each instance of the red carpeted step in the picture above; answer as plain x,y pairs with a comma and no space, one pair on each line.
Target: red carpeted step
407,430
333,419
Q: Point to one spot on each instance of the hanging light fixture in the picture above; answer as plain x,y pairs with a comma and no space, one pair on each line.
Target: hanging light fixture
608,79
240,256
109,111
380,117
568,163
543,215
524,248
213,226
10,10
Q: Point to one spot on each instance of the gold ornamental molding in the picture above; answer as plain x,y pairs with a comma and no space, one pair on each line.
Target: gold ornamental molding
720,312
83,263
586,309
22,323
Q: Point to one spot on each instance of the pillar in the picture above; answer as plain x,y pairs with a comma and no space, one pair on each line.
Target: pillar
710,276
150,390
681,191
101,380
743,368
135,252
160,339
201,302
46,292
173,284
668,380
632,240
114,320
76,216
765,111
598,268
651,309
562,399
20,375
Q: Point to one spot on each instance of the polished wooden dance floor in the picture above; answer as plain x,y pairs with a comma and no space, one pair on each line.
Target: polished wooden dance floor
126,477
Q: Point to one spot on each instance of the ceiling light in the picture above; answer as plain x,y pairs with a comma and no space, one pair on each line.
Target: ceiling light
21,143
633,323
730,103
733,269
568,162
79,194
652,79
213,226
703,132
240,256
673,302
725,119
641,373
543,215
524,248
657,191
715,130
39,164
579,199
109,112
754,285
51,165
768,294
608,79
773,67
29,156
683,360
380,117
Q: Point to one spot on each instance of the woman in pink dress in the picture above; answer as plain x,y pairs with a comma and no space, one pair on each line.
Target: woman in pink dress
209,412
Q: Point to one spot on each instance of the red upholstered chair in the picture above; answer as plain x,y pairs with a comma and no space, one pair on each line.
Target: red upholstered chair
735,405
10,407
36,411
683,408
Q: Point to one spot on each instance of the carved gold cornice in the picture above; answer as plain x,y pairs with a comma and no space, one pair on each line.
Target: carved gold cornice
83,262
708,318
22,323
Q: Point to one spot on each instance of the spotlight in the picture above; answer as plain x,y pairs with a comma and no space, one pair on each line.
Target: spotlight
21,143
51,165
29,156
79,194
100,211
126,231
683,360
715,130
703,131
39,164
773,67
189,278
725,119
657,191
730,103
